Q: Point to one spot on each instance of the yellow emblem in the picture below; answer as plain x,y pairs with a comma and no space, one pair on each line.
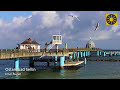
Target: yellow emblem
111,19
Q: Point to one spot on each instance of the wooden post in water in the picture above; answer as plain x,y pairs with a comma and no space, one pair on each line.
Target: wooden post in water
118,52
70,57
85,60
88,53
115,53
97,53
17,64
111,53
31,62
55,61
104,54
48,62
100,53
74,55
62,59
84,54
78,54
81,54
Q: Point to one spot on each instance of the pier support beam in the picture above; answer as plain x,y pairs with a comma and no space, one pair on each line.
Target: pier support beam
81,54
31,62
74,55
17,64
70,57
97,53
55,60
78,54
84,54
48,63
52,57
118,53
104,54
85,60
111,53
62,59
100,53
88,53
115,53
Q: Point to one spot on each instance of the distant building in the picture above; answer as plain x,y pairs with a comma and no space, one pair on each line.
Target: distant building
90,44
29,44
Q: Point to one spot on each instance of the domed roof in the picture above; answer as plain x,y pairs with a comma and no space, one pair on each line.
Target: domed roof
90,44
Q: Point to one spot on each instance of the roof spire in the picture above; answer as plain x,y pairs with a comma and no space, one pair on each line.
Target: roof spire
90,38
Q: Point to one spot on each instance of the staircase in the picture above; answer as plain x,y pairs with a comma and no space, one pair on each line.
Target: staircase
49,47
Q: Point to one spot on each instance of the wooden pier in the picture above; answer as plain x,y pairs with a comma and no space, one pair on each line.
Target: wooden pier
74,55
17,53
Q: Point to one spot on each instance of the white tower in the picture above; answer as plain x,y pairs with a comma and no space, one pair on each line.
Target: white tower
57,39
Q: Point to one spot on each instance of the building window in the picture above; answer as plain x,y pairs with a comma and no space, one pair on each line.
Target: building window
54,37
60,37
57,37
36,47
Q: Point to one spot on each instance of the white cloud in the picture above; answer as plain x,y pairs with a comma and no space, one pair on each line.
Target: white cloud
49,19
114,28
18,20
68,22
43,24
1,22
99,35
38,22
118,34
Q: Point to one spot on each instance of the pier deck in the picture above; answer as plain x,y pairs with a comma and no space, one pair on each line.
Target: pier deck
65,57
17,53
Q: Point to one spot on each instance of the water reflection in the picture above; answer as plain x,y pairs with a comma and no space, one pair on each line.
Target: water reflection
17,77
69,72
17,74
62,73
50,73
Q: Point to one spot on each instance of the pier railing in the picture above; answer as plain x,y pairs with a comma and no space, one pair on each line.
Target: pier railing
43,50
14,53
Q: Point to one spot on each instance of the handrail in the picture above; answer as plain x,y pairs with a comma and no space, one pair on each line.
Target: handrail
42,50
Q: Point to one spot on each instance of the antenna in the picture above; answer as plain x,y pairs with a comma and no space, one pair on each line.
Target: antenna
59,32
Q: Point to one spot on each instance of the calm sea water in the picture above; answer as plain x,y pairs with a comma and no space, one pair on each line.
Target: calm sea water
92,70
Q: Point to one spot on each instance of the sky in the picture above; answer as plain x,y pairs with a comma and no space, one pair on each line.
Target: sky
17,26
